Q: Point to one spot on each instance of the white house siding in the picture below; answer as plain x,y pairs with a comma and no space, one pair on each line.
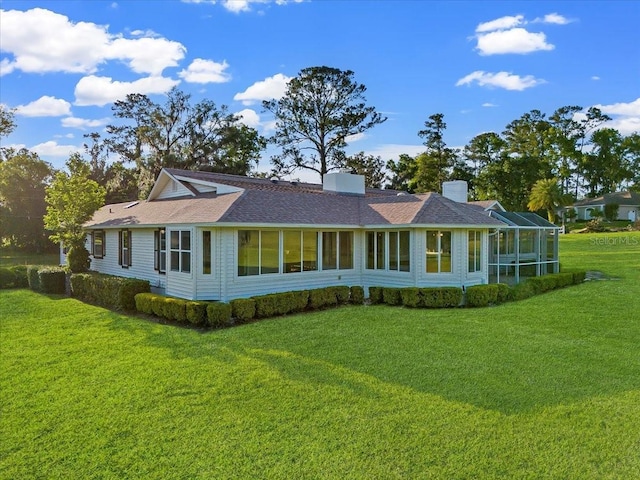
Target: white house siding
142,257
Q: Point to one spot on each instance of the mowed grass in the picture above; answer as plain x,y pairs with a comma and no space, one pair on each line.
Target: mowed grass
544,388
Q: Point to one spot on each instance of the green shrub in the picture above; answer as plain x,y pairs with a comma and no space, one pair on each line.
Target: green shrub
441,297
283,302
521,291
243,309
482,295
578,277
218,314
300,300
52,280
21,280
564,279
117,293
7,277
196,312
33,278
143,302
411,297
391,296
175,309
157,306
322,297
375,295
341,293
265,306
503,292
356,295
78,259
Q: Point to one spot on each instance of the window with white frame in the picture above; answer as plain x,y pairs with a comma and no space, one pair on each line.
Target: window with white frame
124,248
160,250
474,251
388,250
180,246
438,251
97,243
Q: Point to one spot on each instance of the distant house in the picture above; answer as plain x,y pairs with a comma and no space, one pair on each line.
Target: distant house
628,205
213,236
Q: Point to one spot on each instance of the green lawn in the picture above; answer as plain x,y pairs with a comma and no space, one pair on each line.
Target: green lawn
544,388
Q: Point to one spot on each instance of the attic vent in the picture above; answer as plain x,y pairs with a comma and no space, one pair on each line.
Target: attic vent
401,194
132,204
274,179
294,182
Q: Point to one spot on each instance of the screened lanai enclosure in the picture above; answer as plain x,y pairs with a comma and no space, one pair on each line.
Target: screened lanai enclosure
526,247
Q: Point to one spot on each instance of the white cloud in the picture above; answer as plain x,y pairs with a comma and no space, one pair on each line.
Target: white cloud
6,67
52,149
93,90
392,151
627,109
249,117
595,78
504,80
45,106
553,18
625,125
146,55
515,40
267,89
83,123
237,6
355,138
205,71
502,23
489,104
40,41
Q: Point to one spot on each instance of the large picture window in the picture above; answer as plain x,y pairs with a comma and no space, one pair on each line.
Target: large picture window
180,245
160,250
97,243
438,251
124,248
388,251
263,252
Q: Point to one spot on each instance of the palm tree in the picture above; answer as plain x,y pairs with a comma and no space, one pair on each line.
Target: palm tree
546,195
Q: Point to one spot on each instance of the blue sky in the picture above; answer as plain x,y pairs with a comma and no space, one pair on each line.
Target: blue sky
481,64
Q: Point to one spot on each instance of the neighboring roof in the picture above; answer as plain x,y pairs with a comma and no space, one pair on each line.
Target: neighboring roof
264,202
619,198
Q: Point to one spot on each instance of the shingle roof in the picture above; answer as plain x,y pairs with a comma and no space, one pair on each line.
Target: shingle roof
280,203
619,198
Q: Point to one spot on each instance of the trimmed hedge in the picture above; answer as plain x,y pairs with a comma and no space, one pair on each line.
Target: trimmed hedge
356,295
482,295
108,291
52,280
341,293
14,277
503,292
144,302
33,278
320,298
375,295
218,314
441,297
391,296
196,312
243,309
411,297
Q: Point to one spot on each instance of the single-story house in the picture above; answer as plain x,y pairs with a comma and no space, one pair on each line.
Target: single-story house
628,205
211,236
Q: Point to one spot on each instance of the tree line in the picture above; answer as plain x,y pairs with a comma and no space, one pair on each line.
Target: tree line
537,162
